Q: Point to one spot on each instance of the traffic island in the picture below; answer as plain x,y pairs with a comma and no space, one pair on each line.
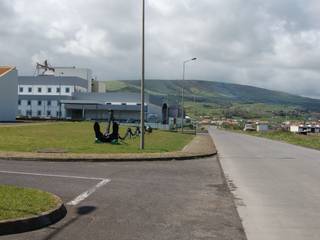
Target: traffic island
26,209
200,146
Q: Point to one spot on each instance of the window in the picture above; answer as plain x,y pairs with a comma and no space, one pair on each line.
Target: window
39,103
20,89
39,90
29,102
58,114
48,113
58,90
39,113
29,112
49,103
30,89
67,90
49,90
19,102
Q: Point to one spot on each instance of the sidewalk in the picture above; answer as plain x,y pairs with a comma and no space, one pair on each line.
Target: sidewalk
201,146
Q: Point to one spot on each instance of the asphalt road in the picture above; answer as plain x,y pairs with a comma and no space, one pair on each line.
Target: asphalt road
143,200
277,186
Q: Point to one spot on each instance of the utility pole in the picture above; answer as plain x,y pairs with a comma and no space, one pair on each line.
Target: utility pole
142,114
182,91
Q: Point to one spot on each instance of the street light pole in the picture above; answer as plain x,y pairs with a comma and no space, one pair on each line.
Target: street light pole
142,79
182,90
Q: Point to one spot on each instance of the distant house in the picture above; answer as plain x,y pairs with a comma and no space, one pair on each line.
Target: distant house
249,127
298,129
305,129
262,127
8,94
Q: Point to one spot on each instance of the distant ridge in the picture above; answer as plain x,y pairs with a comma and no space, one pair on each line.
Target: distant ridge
216,92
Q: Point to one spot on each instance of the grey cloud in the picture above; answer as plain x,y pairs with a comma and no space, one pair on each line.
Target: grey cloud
273,44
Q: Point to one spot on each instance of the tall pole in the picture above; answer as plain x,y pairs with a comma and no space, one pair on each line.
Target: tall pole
142,79
182,91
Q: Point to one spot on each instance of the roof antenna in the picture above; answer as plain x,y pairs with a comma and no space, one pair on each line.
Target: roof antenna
45,68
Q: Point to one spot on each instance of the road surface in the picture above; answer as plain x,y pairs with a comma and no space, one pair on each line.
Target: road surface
276,185
134,200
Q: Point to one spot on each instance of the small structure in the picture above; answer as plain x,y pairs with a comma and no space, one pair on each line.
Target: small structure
8,94
262,127
305,129
249,127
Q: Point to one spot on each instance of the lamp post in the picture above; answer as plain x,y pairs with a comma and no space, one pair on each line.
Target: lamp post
60,81
142,79
182,90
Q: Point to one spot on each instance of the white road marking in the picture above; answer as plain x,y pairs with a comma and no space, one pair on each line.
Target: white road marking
78,199
87,193
51,175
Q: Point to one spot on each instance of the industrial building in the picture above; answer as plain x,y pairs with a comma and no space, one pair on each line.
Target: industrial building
67,97
72,93
126,107
8,94
41,96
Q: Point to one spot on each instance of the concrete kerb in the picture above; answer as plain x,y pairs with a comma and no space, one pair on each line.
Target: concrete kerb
20,225
202,146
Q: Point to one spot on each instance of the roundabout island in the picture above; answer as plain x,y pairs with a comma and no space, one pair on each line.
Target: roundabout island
26,209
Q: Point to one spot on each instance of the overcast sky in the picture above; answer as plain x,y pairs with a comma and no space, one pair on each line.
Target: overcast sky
267,43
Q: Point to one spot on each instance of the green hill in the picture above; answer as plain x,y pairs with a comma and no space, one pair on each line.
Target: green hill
224,98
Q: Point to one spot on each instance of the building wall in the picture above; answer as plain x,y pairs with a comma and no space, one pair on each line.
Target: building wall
49,90
40,108
8,95
84,73
98,87
262,128
294,129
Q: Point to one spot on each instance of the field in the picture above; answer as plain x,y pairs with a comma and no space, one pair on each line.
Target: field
297,139
78,137
18,202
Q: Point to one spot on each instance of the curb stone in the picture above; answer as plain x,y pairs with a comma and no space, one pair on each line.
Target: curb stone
20,225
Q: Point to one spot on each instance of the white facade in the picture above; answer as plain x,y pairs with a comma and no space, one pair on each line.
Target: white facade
8,94
41,96
296,129
40,108
49,90
84,73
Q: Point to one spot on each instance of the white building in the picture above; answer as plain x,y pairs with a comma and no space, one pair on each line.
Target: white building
84,73
305,129
49,96
41,96
8,94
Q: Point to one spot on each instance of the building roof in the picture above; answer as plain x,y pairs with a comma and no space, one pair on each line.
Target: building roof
120,97
5,69
52,80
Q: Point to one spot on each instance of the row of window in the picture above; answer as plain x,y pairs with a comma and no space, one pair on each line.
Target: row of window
49,89
39,102
39,113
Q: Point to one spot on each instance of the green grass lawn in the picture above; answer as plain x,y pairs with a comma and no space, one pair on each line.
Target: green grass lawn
297,139
18,202
78,137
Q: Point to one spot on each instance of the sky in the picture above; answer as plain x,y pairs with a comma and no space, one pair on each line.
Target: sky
273,44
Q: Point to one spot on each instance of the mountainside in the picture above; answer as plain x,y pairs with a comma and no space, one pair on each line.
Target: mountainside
216,92
223,96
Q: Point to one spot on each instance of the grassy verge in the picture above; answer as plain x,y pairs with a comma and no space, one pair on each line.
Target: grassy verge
297,139
18,202
78,137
